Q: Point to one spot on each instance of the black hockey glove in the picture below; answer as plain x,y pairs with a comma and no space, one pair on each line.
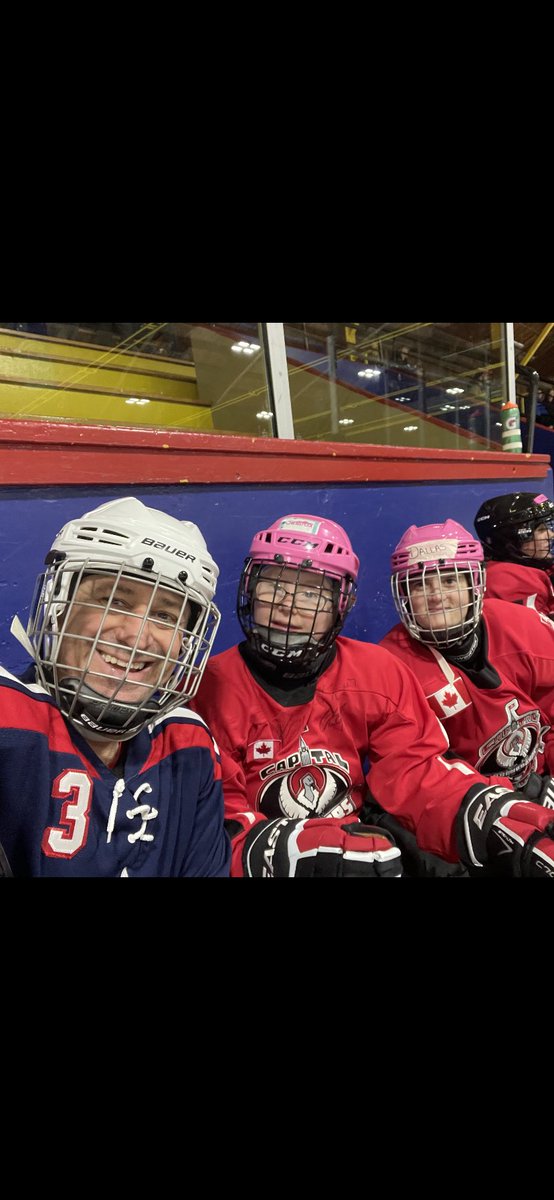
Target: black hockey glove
502,833
321,847
5,869
540,788
416,863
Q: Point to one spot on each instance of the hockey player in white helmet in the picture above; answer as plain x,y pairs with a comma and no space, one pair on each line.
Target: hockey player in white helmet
124,777
308,718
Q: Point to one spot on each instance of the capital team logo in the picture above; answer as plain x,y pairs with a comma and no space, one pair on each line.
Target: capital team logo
513,749
307,784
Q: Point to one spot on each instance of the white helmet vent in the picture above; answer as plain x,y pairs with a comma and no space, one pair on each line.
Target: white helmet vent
96,533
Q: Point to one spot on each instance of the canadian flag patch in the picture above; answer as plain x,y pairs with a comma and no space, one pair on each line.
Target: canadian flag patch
263,749
450,699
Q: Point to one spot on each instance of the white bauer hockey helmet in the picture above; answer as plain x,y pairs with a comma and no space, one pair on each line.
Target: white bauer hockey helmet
122,540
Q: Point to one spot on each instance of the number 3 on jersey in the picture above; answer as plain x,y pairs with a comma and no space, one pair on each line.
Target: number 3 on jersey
65,840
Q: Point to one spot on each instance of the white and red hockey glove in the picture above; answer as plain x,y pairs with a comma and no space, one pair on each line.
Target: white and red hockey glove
321,847
501,833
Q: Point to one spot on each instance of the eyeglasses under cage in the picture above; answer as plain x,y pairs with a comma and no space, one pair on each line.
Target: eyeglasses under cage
315,599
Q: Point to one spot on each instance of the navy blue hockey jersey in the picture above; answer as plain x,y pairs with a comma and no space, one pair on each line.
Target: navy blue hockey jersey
63,812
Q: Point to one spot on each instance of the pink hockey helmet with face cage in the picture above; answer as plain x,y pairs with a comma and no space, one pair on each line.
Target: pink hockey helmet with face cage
445,547
303,542
313,543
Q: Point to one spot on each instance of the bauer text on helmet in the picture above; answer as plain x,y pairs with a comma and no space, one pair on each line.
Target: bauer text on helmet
123,618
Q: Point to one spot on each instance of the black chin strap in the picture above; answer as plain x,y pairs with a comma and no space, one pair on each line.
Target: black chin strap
86,713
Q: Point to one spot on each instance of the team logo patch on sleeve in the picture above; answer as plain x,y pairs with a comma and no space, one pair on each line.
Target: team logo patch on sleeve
450,699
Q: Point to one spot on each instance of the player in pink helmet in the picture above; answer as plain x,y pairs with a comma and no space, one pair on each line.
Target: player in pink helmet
485,667
297,587
305,718
438,583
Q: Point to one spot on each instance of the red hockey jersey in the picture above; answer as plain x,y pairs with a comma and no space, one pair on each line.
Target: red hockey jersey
310,759
531,586
502,730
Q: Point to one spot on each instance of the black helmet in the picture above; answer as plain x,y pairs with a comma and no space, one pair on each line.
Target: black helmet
505,522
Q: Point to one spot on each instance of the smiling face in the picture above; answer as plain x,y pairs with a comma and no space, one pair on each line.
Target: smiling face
294,601
440,599
121,638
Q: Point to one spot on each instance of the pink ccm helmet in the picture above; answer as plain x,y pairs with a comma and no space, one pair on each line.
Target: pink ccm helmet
427,552
307,543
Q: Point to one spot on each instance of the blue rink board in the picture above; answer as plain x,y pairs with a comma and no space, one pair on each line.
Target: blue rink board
375,516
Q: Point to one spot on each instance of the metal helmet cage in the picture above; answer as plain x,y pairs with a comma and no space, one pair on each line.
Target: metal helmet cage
503,523
134,549
291,546
426,554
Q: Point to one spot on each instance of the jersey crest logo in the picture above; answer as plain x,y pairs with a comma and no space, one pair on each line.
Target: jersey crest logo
309,783
513,750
